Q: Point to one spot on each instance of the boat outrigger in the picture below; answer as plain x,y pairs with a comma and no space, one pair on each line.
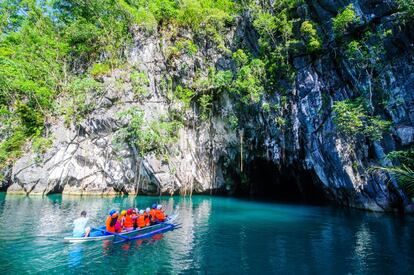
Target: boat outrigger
99,234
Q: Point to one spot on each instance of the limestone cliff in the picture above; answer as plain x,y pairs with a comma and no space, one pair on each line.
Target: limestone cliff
305,150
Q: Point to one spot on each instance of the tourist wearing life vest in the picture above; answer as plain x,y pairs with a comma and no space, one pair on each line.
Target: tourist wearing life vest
141,219
152,213
129,222
159,214
111,221
147,216
134,217
121,217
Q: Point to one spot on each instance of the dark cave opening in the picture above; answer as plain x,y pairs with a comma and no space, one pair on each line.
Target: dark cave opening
292,184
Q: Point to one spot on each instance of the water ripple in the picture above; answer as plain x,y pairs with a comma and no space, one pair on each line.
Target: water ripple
217,235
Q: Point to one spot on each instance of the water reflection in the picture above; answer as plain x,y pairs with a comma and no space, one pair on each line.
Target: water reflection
75,256
362,249
217,235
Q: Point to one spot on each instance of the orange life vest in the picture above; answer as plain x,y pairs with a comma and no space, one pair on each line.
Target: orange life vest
152,213
141,221
128,222
147,219
160,216
109,228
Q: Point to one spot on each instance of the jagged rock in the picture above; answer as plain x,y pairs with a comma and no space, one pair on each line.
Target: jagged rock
5,178
406,134
206,157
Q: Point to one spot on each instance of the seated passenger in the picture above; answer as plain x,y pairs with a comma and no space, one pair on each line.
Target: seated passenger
134,217
159,214
120,221
122,217
111,221
79,226
152,213
147,216
129,222
141,219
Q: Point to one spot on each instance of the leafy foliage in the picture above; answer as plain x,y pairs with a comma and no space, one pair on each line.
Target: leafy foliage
313,41
343,19
205,102
277,40
140,84
408,7
404,172
99,70
153,136
185,95
56,49
249,81
351,118
82,93
40,144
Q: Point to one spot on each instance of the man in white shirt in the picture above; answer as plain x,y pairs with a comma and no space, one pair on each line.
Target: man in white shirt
79,226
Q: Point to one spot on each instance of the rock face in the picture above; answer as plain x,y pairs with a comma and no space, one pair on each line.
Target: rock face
308,152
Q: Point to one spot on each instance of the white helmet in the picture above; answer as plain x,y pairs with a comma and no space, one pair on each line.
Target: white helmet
147,210
159,206
141,211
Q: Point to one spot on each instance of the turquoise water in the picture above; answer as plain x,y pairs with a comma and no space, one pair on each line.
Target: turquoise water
218,236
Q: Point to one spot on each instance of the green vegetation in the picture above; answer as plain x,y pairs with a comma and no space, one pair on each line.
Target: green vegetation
277,39
352,119
205,102
249,81
140,84
56,52
81,98
99,70
404,171
147,136
312,39
187,46
52,47
367,58
182,46
185,95
41,144
266,107
407,6
207,87
343,19
234,121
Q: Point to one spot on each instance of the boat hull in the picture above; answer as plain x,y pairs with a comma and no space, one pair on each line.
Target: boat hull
136,232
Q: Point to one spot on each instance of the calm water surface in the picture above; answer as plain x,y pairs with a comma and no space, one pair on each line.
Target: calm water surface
218,236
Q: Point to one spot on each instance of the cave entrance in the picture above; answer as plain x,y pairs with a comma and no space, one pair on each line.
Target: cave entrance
266,180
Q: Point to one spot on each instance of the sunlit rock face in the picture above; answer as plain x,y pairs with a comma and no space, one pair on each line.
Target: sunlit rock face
207,155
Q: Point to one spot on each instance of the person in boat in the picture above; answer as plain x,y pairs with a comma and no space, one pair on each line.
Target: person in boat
147,216
159,214
111,221
141,219
118,224
122,218
134,217
79,226
152,213
129,222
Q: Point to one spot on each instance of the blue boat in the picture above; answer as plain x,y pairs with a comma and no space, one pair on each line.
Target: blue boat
98,235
